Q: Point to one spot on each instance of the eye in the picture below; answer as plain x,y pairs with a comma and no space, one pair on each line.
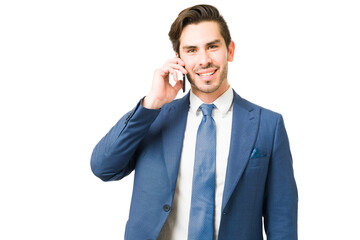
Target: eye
212,46
191,51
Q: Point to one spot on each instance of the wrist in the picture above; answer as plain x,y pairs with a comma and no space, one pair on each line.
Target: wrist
151,103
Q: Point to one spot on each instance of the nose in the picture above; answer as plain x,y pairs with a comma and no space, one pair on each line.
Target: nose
204,58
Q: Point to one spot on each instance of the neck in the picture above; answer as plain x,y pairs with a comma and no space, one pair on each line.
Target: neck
211,97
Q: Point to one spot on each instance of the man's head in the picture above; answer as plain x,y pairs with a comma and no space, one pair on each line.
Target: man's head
202,39
195,15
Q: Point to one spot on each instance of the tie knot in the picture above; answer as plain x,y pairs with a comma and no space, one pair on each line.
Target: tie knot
207,109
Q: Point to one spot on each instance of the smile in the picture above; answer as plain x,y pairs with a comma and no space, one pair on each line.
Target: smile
206,74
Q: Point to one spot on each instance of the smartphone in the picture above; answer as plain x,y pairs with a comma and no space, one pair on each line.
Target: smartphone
184,78
184,81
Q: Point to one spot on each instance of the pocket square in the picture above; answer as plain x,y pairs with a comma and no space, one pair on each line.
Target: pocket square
256,153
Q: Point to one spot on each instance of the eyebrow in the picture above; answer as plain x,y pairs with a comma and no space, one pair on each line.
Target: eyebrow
207,44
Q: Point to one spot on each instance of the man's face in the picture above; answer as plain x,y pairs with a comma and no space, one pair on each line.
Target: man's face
206,57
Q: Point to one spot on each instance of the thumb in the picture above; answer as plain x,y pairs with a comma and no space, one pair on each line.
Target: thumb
178,85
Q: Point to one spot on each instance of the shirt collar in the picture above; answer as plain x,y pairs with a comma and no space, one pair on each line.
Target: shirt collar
222,103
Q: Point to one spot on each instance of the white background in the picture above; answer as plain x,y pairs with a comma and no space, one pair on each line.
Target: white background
70,69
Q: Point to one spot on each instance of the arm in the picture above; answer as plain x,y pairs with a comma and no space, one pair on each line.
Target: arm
281,198
113,157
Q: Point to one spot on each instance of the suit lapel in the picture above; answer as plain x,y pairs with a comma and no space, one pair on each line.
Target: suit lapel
243,135
173,136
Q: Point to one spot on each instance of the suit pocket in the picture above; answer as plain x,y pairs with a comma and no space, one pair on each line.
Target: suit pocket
258,162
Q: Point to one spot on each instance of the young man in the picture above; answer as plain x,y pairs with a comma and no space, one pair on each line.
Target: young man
210,165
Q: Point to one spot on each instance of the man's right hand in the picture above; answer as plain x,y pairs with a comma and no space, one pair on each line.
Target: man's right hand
161,90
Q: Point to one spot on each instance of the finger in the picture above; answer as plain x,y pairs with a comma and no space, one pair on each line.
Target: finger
178,67
174,74
170,70
177,61
164,72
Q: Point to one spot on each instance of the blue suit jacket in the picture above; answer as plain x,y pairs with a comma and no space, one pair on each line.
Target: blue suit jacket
150,141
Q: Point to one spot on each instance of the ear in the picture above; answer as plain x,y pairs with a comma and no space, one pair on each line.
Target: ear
231,51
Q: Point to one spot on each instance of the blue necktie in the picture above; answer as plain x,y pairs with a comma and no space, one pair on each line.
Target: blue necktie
201,222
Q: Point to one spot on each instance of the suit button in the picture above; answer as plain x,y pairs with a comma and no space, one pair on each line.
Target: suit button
166,208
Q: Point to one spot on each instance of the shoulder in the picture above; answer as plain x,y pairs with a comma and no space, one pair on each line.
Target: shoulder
170,113
180,104
269,123
265,114
185,100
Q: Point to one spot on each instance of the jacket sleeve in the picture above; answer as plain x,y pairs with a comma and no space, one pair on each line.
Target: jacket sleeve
281,197
113,157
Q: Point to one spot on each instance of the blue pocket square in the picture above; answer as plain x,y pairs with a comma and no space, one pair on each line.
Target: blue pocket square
256,153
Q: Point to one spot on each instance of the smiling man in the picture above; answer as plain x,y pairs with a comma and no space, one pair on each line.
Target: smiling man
206,55
210,165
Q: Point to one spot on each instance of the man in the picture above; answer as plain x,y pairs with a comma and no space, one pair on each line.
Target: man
210,165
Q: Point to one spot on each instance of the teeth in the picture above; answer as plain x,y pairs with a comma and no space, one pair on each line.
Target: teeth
207,74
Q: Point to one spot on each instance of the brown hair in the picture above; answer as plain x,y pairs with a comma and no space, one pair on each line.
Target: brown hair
194,15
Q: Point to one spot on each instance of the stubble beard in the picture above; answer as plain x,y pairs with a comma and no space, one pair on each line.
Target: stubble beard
209,89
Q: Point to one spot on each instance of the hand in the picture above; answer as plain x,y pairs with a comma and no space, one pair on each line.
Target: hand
161,90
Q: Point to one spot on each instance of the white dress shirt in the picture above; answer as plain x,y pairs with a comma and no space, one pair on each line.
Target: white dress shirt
176,226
